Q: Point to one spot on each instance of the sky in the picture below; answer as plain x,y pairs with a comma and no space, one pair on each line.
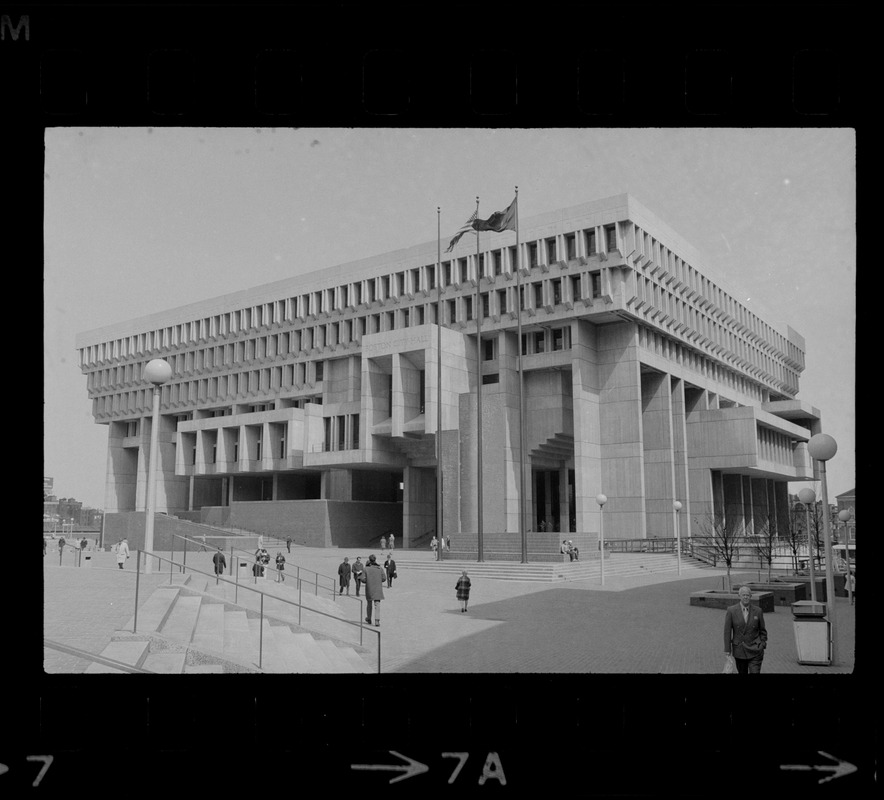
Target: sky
142,220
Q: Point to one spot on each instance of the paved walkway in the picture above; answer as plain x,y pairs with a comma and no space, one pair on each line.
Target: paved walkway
631,625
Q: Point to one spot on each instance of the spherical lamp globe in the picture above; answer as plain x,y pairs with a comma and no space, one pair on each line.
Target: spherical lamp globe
157,371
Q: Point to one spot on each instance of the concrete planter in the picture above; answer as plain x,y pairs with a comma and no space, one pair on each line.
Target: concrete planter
717,598
784,593
819,581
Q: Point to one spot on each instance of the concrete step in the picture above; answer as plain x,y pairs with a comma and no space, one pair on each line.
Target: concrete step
290,650
165,663
209,632
132,653
237,637
181,621
338,662
154,610
357,662
315,656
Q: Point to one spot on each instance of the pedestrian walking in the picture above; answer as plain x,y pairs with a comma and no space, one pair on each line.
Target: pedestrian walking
390,569
374,590
288,544
745,635
203,544
61,544
280,567
383,543
122,552
344,571
448,544
392,541
358,573
220,562
83,543
434,544
463,590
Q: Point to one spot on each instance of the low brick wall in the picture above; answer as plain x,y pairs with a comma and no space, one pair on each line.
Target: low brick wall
716,598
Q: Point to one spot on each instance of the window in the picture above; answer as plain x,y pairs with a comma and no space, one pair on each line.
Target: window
557,291
354,431
422,390
431,278
320,370
446,273
501,301
532,254
575,287
539,342
452,311
468,308
589,241
538,295
415,280
488,350
558,339
570,245
610,237
486,312
596,280
497,258
551,250
486,379
514,258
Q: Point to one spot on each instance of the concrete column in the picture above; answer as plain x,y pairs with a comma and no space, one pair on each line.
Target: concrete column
658,455
680,454
564,506
587,428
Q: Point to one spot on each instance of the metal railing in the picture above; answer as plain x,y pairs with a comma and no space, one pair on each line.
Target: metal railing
252,561
87,656
219,579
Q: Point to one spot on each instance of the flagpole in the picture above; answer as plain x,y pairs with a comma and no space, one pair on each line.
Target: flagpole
439,381
478,314
523,535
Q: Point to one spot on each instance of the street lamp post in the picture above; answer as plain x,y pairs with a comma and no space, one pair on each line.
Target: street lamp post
844,516
677,506
808,498
822,448
601,500
156,372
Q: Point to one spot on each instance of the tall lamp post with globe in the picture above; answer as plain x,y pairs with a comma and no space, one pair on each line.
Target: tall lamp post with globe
601,499
808,498
822,448
157,372
677,506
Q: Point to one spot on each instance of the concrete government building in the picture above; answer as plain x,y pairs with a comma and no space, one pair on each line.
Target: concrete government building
308,407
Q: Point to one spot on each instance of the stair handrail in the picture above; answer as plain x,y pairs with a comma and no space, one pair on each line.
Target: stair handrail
251,556
218,579
87,656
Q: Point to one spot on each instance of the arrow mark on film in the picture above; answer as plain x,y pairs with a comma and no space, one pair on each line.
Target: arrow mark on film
408,770
838,769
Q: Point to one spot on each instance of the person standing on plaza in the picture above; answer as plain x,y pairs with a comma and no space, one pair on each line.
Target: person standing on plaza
392,541
383,543
288,544
745,634
463,590
220,562
433,544
122,552
344,571
358,573
374,590
390,569
280,567
61,544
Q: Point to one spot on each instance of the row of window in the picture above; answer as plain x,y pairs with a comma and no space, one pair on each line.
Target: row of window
662,299
658,255
690,359
340,432
405,283
775,446
551,292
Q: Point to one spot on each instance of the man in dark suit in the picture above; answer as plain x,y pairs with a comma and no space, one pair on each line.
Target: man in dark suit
745,636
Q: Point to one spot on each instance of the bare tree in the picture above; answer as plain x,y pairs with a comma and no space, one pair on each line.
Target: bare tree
721,537
764,542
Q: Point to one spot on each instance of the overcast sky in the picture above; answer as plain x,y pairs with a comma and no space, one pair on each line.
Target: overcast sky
141,220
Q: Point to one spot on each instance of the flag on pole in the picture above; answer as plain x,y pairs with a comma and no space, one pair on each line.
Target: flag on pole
499,221
469,225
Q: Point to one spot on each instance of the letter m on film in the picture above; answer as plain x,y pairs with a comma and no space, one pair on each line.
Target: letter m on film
24,22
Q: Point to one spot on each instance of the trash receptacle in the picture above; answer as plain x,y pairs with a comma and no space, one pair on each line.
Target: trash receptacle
87,560
813,632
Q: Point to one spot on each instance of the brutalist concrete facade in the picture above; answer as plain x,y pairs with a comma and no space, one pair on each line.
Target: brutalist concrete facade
644,379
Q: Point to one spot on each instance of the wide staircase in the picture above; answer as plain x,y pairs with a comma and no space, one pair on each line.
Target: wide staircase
622,565
193,625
